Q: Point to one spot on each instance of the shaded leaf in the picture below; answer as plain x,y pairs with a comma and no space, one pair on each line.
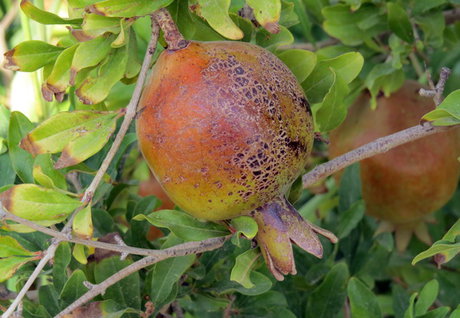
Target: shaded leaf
126,292
349,219
61,262
45,174
73,288
106,308
399,23
166,273
327,299
363,302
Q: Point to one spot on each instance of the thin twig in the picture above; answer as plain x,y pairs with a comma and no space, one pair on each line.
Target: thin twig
437,92
62,237
178,250
130,114
375,147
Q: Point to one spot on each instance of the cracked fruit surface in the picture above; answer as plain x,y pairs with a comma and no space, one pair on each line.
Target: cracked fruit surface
226,129
406,184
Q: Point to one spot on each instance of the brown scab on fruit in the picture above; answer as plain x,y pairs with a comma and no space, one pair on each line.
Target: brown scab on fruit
231,118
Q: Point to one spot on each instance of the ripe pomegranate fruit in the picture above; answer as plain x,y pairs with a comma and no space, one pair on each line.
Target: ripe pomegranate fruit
406,184
226,129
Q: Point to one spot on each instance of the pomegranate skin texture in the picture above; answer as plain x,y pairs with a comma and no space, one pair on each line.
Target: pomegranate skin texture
226,129
404,185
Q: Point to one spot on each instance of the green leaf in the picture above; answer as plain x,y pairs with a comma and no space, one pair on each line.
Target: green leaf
267,13
29,56
439,312
45,174
78,134
447,113
9,265
409,313
21,160
383,77
353,27
399,23
10,247
328,298
433,26
245,225
319,82
244,265
45,17
422,6
363,302
332,111
126,292
165,274
58,80
95,25
348,220
35,203
300,62
82,224
183,225
216,14
90,53
262,284
73,288
350,187
49,298
62,260
272,41
127,8
426,297
97,85
446,250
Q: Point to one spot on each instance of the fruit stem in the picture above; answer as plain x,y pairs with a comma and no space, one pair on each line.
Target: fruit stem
172,35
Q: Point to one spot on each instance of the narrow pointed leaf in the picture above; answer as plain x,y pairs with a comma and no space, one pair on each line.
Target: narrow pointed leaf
127,8
43,16
95,25
363,302
59,78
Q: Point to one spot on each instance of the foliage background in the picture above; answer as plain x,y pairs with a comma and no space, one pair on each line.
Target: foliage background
361,276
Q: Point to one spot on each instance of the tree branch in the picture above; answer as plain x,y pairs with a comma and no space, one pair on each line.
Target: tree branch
375,147
178,250
88,195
